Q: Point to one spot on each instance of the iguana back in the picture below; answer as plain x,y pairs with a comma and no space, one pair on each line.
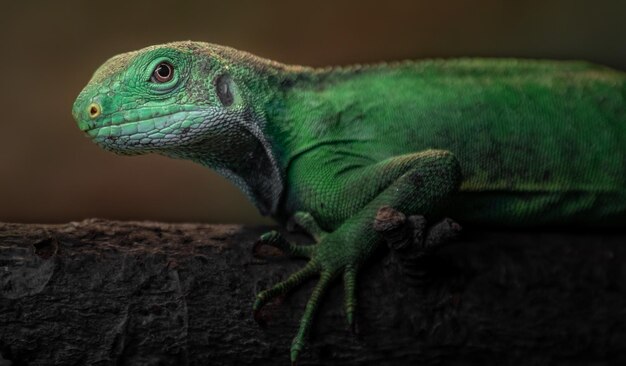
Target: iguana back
538,141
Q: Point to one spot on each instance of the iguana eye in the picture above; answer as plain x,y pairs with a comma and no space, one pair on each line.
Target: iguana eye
162,73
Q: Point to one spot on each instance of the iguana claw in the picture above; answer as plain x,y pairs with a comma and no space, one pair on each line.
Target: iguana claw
412,242
409,234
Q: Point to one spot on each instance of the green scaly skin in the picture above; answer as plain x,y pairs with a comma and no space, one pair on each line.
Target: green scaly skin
504,142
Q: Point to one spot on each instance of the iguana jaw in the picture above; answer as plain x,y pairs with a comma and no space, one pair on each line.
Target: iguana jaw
145,130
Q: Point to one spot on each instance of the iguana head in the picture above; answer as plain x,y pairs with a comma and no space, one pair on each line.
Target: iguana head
159,98
187,100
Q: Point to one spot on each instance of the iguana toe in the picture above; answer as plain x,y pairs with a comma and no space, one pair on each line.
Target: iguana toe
276,240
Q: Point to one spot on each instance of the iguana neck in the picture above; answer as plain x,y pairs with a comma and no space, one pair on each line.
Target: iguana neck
244,157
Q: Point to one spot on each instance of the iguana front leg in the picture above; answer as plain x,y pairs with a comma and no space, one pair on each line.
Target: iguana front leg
421,181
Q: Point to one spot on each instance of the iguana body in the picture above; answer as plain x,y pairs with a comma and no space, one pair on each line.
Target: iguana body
487,141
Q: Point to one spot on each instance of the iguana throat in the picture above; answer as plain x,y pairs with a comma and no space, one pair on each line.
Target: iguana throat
243,156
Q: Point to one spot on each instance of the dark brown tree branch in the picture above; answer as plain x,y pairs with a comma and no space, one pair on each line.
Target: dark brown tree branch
125,293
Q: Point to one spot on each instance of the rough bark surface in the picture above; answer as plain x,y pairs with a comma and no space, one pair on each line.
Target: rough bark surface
142,293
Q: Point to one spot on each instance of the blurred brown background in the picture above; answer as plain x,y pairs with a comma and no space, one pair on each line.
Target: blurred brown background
49,172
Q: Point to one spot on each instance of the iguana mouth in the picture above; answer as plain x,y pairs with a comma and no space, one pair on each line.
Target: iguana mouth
133,126
169,129
134,116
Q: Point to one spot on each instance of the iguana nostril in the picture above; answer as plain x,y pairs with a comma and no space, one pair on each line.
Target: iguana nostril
94,110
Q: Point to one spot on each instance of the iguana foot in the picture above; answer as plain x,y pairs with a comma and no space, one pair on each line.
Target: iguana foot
324,262
341,253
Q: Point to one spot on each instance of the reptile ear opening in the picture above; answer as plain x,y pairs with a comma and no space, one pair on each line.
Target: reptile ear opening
223,86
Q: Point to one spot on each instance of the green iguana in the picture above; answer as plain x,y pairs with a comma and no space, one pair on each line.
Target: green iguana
487,141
